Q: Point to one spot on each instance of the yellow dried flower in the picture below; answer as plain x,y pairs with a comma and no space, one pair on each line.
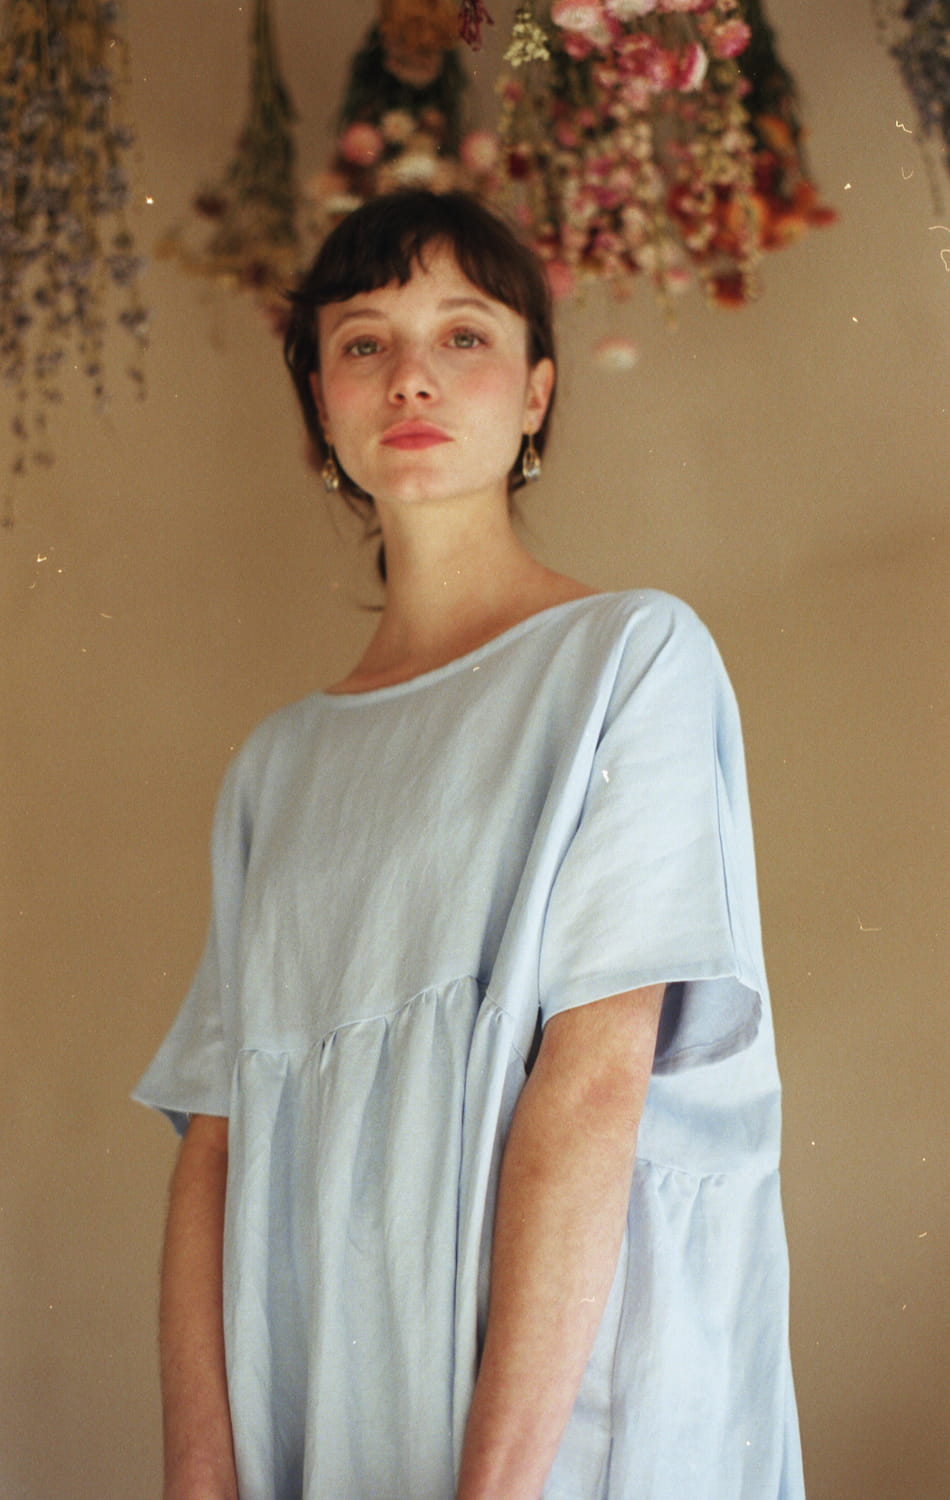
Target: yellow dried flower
528,40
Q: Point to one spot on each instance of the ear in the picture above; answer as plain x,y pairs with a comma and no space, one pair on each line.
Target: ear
317,392
540,386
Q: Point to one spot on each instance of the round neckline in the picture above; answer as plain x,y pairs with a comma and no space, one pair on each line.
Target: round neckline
468,660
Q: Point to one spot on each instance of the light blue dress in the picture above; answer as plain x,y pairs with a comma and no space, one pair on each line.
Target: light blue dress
407,882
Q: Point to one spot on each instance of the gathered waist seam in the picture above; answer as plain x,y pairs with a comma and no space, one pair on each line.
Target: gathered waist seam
307,1044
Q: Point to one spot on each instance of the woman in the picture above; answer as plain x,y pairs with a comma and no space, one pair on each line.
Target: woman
477,1070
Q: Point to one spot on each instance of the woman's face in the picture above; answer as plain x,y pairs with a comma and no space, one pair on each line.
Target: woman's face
425,389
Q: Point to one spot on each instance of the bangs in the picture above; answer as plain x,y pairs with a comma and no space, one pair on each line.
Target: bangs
381,243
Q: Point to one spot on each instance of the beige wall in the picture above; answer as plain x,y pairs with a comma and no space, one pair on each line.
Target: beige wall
783,468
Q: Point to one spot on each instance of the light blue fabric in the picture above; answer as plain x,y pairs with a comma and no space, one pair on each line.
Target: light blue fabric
405,882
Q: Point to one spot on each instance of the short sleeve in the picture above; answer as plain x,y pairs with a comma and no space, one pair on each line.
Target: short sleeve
658,881
191,1072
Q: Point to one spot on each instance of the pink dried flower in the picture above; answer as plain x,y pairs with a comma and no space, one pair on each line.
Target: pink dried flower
616,354
641,56
622,179
729,39
584,18
578,15
636,93
577,47
677,279
628,10
599,166
692,67
606,242
361,144
479,151
472,16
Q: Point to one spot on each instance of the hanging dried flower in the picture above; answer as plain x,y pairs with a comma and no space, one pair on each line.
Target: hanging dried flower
917,35
634,153
786,200
472,17
400,122
253,207
529,42
64,240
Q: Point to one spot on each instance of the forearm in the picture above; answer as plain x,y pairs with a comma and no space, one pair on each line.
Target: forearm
562,1203
199,1456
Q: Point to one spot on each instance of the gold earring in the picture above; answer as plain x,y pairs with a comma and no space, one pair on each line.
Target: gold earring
330,472
530,461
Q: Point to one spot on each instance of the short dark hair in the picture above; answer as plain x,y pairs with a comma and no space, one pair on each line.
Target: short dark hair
380,243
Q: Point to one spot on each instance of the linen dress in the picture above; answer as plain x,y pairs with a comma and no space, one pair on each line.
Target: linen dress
407,883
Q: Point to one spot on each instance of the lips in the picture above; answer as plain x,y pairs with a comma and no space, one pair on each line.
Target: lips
414,435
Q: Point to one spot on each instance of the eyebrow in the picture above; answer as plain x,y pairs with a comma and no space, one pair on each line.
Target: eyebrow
448,304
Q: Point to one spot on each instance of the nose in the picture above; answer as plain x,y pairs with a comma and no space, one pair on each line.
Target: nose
411,378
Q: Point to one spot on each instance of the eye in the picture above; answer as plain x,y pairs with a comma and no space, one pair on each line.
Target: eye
466,338
360,347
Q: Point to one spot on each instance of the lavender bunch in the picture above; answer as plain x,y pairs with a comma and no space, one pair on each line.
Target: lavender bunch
917,35
64,240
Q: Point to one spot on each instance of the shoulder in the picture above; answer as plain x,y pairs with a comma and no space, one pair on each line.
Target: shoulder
643,611
647,653
660,612
633,628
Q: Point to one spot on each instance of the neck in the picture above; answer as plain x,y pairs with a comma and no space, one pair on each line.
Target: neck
449,573
455,578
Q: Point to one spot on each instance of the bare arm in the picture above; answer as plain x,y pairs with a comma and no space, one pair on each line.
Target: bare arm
562,1203
199,1456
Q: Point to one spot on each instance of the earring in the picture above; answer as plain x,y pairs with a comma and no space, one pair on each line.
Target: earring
530,461
330,472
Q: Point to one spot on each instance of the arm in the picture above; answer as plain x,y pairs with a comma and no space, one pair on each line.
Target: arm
199,1456
562,1205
